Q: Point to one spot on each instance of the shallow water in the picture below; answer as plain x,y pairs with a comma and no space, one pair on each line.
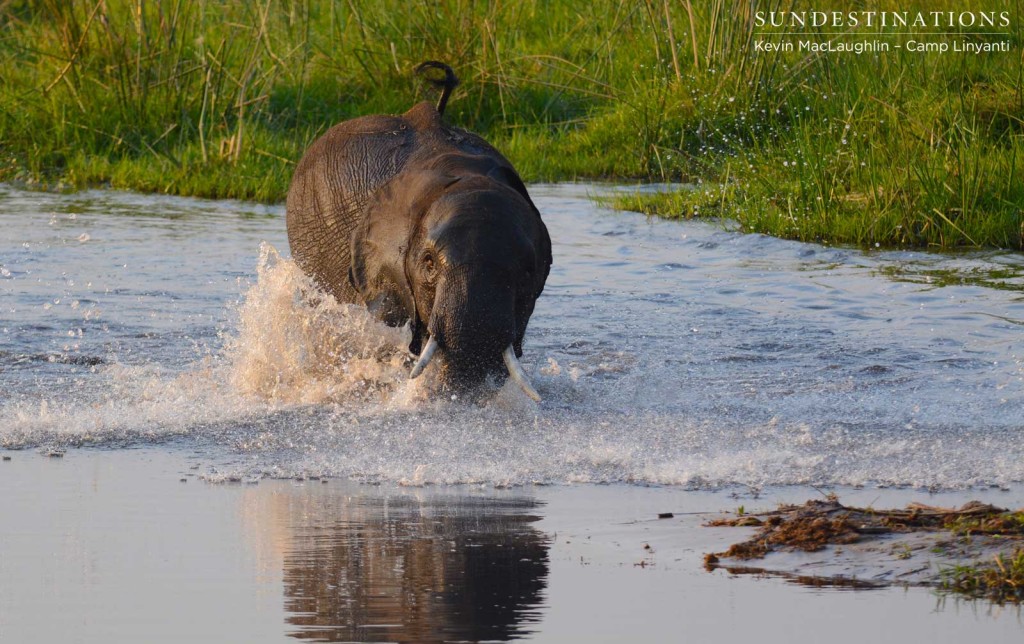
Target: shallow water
694,368
108,545
666,353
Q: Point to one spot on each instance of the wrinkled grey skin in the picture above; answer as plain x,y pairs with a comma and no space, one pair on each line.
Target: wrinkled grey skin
425,224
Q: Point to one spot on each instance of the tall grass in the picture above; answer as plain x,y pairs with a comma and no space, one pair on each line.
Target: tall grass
893,149
219,98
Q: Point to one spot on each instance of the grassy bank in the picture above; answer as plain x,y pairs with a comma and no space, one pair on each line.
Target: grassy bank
215,98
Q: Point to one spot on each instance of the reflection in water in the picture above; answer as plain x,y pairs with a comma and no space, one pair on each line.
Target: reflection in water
838,582
411,567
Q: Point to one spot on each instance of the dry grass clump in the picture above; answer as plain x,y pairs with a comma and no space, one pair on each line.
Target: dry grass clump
817,524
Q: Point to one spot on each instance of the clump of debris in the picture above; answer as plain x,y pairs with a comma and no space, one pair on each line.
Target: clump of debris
976,550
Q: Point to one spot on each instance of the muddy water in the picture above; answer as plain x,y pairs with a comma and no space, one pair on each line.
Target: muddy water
173,338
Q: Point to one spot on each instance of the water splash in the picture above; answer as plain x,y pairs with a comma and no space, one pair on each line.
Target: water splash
296,344
290,346
752,361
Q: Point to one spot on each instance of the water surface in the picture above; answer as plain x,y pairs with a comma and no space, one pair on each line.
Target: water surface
683,367
108,545
666,353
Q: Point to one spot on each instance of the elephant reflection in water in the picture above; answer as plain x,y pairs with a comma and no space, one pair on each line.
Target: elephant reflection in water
410,568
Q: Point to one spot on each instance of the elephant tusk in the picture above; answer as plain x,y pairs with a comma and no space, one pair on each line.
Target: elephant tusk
424,359
515,370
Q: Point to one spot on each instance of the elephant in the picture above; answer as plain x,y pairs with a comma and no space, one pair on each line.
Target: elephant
426,224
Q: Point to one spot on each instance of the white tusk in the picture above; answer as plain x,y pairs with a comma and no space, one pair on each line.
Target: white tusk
424,359
516,371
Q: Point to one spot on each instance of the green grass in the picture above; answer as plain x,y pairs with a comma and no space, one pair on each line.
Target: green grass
1001,524
1000,581
218,98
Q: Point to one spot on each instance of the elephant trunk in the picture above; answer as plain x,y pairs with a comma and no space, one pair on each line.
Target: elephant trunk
473,319
472,325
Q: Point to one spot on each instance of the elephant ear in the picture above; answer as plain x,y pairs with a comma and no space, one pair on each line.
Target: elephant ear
508,176
542,242
505,174
381,242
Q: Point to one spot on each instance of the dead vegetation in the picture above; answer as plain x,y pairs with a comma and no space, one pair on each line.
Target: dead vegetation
820,523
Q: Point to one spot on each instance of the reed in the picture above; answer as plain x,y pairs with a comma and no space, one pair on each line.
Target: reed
218,98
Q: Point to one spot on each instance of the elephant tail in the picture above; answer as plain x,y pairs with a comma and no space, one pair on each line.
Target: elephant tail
447,84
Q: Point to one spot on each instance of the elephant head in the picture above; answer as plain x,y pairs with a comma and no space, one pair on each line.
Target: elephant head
456,248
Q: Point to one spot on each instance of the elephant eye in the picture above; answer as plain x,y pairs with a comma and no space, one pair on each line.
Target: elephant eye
428,265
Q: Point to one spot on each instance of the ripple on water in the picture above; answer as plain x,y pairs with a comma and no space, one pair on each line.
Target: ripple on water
666,352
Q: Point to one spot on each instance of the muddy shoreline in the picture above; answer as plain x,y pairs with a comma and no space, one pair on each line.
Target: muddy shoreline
973,550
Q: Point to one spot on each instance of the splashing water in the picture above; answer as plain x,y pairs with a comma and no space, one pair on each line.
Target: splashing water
296,344
666,353
291,345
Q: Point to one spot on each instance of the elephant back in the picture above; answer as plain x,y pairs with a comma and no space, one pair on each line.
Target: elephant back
344,169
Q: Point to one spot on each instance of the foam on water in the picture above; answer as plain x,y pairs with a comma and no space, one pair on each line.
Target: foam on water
297,345
666,353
